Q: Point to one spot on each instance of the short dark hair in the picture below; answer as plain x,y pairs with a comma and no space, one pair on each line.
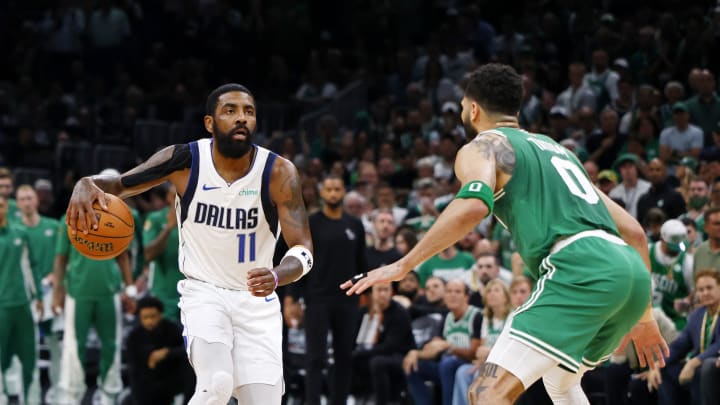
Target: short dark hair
497,88
212,99
149,301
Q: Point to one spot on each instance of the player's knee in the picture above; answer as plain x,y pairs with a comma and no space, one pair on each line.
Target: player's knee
493,396
564,393
221,388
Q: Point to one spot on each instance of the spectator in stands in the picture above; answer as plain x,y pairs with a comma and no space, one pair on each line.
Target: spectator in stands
439,359
158,366
520,289
707,254
643,138
383,249
674,92
485,270
607,181
704,108
684,173
602,80
384,337
632,186
693,354
385,199
681,139
672,271
449,264
405,239
578,94
432,302
407,290
698,199
644,107
7,190
693,236
592,171
604,146
660,194
497,307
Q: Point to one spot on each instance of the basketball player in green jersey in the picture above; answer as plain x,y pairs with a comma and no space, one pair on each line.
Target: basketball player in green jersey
87,292
589,255
42,232
160,238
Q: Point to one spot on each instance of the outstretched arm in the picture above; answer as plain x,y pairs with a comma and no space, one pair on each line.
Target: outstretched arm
163,165
480,160
286,195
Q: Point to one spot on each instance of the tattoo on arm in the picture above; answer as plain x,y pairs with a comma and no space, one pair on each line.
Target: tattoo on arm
294,204
163,163
496,148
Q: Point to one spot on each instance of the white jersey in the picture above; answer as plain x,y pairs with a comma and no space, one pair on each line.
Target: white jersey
226,229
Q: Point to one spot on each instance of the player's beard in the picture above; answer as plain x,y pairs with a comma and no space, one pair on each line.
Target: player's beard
229,147
470,131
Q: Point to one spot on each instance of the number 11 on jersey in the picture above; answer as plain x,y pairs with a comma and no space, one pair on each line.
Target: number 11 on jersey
242,238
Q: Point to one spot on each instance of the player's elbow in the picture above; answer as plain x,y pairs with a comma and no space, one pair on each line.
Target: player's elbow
475,211
634,233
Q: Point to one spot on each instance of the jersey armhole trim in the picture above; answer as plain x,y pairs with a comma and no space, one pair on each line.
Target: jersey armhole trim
192,182
270,210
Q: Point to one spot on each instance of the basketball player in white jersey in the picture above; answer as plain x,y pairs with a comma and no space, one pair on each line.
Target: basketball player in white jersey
233,198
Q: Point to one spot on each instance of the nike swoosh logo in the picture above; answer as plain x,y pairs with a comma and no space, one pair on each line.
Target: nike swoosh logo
206,187
268,299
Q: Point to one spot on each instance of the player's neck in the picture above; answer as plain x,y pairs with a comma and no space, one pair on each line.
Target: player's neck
31,220
231,169
497,121
332,213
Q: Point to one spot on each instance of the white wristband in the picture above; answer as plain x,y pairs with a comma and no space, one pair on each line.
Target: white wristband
131,291
303,254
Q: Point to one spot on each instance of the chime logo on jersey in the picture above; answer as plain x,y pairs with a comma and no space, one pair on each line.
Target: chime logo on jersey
225,218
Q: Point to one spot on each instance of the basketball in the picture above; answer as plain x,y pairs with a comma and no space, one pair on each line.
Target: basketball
115,231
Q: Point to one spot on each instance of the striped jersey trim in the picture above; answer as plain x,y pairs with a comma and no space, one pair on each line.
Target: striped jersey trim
546,349
540,285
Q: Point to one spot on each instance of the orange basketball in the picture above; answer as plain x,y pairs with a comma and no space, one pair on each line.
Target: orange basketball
115,231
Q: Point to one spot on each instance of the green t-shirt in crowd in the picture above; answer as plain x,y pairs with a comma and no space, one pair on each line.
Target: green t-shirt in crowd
164,270
86,278
42,238
445,268
17,283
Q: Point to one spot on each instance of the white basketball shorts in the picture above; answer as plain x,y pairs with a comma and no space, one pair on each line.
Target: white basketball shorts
251,326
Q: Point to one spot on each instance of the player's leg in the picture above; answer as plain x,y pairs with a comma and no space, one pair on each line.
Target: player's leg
343,322
317,324
71,385
6,320
25,346
564,388
250,394
108,324
213,367
208,333
511,368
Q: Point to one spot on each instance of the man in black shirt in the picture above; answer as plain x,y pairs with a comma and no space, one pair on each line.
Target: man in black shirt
383,251
660,195
159,369
384,338
339,252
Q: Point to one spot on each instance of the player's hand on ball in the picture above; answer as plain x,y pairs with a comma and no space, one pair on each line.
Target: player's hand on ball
261,282
80,213
648,342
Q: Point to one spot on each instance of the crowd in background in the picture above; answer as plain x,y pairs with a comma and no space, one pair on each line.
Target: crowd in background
630,87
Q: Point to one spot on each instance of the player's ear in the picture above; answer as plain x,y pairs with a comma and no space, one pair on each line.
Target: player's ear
208,119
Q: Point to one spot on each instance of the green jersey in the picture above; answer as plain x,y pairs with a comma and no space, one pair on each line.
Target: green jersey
42,238
165,272
137,257
445,268
672,277
17,283
13,214
459,333
548,197
86,278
